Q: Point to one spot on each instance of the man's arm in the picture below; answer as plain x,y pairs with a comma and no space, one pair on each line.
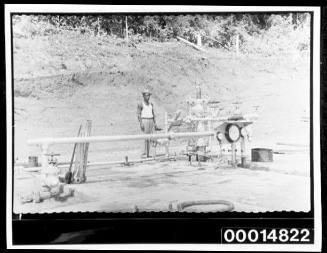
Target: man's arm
154,116
139,111
154,120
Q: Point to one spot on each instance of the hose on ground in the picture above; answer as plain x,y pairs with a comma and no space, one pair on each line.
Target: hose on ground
227,205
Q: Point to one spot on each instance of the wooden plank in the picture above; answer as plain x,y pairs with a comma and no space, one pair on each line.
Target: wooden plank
81,156
86,150
190,44
69,175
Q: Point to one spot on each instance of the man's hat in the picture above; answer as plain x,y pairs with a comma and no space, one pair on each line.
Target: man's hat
146,91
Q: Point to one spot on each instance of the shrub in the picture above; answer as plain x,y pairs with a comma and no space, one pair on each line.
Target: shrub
259,33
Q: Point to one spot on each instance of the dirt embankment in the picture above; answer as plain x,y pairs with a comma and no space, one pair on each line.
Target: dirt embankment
62,80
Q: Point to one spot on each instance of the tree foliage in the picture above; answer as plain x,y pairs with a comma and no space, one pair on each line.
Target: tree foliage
215,30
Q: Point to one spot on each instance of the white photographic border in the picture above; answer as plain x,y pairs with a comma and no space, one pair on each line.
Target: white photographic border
51,8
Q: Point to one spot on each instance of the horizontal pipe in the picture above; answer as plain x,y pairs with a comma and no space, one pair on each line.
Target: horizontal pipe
246,117
26,165
293,144
92,139
89,164
130,161
209,119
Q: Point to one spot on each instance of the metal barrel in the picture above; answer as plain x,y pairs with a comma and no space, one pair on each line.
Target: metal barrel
32,161
262,155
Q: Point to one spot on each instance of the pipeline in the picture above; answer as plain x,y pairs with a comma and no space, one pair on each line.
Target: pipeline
229,206
90,139
245,117
119,162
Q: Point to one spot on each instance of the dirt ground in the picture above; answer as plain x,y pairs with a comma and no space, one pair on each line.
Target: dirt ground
61,81
154,185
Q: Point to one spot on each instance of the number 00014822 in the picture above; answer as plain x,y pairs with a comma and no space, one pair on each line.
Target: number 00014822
266,235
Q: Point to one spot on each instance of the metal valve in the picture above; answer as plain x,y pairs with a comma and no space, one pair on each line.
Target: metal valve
52,160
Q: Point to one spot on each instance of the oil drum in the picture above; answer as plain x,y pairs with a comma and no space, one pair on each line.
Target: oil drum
262,155
32,161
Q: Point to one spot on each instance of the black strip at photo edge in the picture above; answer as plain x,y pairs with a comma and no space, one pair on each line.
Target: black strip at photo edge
154,13
12,113
311,117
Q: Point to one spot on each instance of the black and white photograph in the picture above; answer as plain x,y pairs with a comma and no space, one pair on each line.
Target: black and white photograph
162,111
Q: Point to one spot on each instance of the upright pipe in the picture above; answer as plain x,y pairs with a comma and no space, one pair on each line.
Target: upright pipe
45,151
243,154
233,146
246,117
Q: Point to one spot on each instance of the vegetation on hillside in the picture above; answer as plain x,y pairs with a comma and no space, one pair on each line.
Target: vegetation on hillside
260,34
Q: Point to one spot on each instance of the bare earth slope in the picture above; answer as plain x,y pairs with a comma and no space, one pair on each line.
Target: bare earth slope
62,80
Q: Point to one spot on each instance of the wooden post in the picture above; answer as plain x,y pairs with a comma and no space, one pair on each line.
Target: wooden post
126,29
198,40
291,18
237,44
98,27
80,164
86,151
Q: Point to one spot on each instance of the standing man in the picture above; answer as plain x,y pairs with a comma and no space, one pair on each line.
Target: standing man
147,119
